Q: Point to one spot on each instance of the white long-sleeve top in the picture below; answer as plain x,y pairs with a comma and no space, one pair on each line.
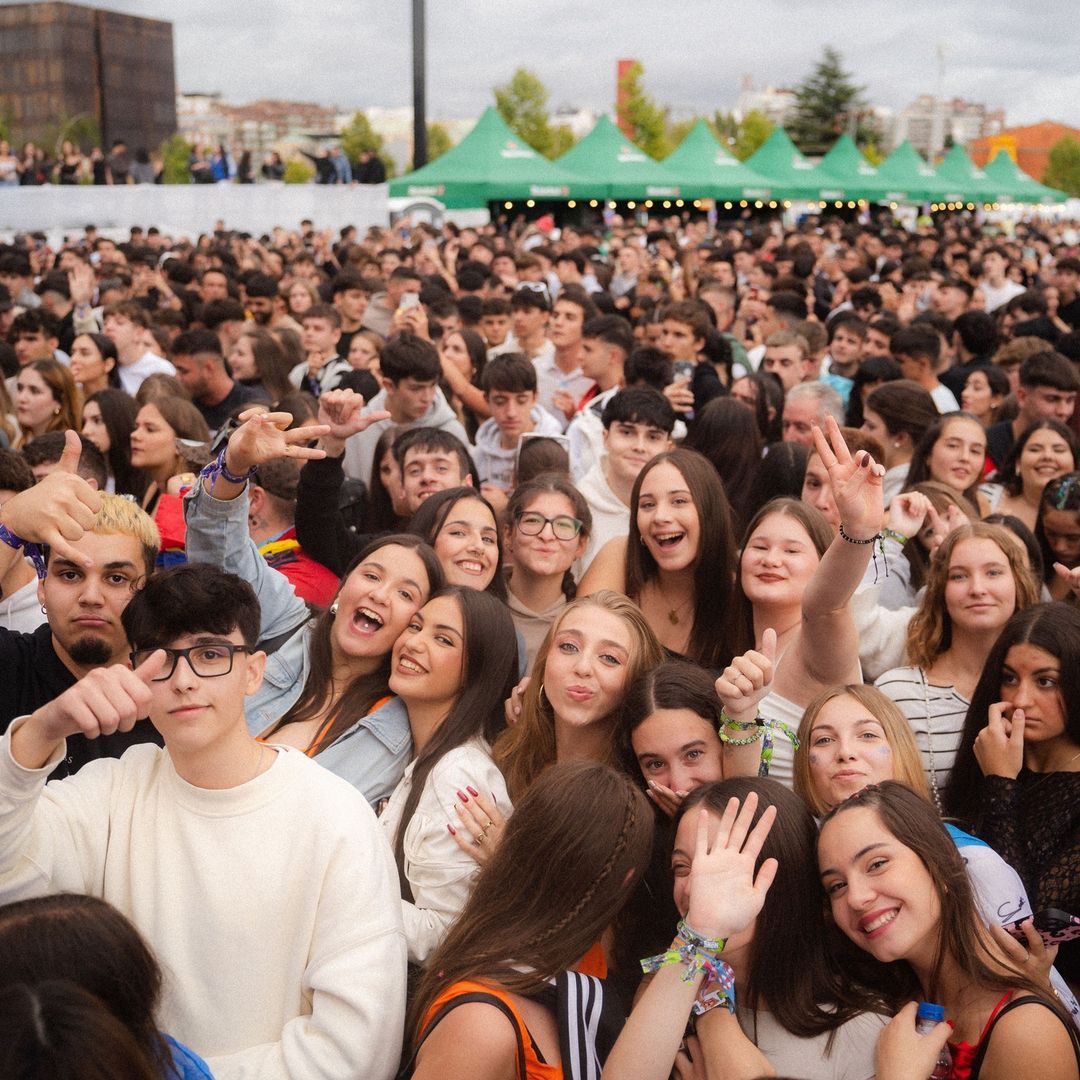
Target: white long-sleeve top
273,907
439,873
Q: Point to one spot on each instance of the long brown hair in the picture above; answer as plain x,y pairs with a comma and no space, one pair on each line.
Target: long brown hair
364,691
914,822
526,749
789,972
712,641
930,630
569,858
489,671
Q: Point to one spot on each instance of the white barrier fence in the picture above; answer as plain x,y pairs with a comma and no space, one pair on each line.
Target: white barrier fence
190,209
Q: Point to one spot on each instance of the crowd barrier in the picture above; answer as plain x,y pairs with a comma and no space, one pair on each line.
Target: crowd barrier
190,209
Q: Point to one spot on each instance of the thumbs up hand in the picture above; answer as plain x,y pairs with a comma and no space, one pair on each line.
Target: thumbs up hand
58,509
747,679
104,701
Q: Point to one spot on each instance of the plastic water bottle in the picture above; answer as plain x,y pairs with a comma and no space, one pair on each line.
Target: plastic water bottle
926,1018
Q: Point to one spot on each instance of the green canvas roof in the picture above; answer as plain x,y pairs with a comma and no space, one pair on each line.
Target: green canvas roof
844,173
779,161
707,171
909,179
610,166
968,183
1008,176
490,163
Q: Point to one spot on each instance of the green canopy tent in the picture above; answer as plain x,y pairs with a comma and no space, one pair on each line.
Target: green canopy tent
790,175
844,174
707,171
490,163
1021,188
909,179
610,166
968,182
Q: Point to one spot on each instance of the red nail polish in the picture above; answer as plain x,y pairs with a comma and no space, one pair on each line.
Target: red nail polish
450,829
462,796
472,791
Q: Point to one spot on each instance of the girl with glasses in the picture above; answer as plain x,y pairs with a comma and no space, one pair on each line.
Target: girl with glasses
547,527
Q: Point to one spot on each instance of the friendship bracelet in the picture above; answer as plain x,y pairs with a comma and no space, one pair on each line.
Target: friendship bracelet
212,470
699,954
767,745
718,992
879,540
892,534
726,721
33,552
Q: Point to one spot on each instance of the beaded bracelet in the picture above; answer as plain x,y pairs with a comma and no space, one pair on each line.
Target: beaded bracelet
33,552
852,540
212,470
746,740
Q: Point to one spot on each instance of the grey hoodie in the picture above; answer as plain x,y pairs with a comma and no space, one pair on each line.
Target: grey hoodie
360,449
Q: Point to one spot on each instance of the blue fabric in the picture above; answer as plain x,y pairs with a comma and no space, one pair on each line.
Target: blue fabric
186,1064
962,839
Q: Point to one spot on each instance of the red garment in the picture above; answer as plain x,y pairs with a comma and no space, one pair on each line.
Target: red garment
311,581
963,1054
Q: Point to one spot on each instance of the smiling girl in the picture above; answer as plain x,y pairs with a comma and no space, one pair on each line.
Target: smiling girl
897,889
453,667
678,562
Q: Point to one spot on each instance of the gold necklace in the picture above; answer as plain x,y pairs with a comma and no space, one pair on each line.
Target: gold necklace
673,612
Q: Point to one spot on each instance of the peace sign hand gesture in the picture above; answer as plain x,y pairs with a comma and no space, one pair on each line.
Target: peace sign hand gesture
856,482
725,894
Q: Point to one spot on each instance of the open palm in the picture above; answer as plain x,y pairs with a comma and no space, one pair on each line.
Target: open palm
725,894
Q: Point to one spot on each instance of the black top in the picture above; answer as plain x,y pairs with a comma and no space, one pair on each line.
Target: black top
956,376
1033,823
33,675
999,441
216,416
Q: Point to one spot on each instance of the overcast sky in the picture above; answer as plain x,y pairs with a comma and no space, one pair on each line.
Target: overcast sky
356,53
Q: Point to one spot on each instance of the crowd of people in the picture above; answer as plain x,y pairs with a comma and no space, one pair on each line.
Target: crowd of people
33,165
522,652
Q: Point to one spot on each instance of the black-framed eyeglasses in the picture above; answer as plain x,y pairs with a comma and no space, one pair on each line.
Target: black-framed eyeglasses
564,527
207,661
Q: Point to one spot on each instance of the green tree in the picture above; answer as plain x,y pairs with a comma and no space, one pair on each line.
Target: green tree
298,171
828,103
438,142
522,103
174,159
562,139
1063,168
678,131
755,128
81,129
646,120
358,135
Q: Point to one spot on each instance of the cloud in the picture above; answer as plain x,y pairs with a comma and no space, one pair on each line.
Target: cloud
357,54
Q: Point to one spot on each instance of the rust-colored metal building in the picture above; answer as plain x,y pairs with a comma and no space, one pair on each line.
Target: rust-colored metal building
1028,146
59,61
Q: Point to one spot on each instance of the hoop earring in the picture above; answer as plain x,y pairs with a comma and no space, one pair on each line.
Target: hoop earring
333,608
542,697
43,611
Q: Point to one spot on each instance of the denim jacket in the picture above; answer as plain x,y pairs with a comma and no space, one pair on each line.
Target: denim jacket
373,752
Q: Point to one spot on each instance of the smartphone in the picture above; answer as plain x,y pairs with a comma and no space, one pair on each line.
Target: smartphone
409,300
1053,924
684,369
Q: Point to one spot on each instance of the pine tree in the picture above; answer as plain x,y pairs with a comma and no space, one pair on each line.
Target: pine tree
828,103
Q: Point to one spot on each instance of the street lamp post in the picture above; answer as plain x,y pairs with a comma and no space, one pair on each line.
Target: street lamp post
419,77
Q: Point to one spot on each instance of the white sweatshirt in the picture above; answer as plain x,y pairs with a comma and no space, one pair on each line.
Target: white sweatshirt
273,907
